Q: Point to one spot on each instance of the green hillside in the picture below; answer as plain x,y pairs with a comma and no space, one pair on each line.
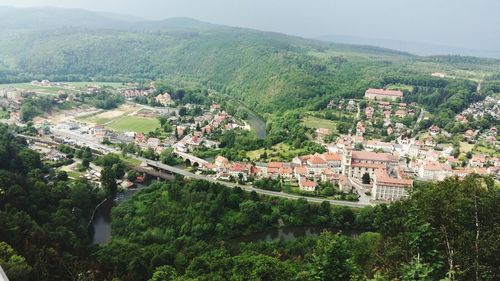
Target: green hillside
268,71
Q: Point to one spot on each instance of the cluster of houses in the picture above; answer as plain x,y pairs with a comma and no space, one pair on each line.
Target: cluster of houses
489,105
344,168
201,129
390,166
131,94
186,138
11,100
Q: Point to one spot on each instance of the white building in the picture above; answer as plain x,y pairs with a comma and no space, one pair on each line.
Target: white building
389,189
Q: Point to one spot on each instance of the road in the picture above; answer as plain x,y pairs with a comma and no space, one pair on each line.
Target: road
88,141
363,198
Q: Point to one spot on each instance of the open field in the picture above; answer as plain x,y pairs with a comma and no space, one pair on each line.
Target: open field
52,90
487,150
278,152
37,89
314,122
110,115
123,119
400,87
85,84
466,147
134,124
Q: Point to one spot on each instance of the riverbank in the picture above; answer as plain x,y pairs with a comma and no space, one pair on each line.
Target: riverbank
289,233
100,224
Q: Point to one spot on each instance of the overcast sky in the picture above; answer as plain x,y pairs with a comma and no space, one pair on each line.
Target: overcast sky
460,23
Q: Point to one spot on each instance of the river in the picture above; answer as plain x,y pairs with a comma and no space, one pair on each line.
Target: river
257,124
289,233
101,225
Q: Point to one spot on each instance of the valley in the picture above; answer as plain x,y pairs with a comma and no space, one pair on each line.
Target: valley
183,150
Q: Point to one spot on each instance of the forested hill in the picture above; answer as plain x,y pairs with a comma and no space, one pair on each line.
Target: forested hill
268,71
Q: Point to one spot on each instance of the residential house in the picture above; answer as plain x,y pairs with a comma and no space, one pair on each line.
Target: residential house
315,165
153,142
433,170
164,99
307,185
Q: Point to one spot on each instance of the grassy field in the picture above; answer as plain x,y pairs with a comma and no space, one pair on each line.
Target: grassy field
279,152
49,90
131,161
481,148
85,84
314,122
74,174
4,114
134,124
36,89
122,119
400,87
466,147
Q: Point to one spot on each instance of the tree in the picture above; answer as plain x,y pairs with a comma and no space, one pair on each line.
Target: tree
164,273
14,265
85,163
330,259
416,271
260,267
358,146
62,176
108,181
366,178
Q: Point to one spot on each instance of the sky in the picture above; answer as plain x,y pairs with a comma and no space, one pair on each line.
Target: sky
471,24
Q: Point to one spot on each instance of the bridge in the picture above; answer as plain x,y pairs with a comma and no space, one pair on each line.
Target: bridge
165,170
152,172
190,159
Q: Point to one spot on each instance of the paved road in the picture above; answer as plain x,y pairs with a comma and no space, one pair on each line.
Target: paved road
88,141
363,198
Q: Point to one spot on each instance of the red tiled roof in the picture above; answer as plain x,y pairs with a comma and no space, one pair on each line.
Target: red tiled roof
384,92
274,165
301,170
273,170
307,183
332,157
316,160
369,155
382,177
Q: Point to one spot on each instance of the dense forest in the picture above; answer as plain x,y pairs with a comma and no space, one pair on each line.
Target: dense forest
188,230
269,72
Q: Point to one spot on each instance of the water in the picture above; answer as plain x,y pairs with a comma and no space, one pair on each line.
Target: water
101,225
289,233
257,124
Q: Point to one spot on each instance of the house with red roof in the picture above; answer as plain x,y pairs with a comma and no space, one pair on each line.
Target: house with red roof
315,165
300,172
381,94
307,185
434,170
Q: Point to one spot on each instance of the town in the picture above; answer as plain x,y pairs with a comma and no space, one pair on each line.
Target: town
378,161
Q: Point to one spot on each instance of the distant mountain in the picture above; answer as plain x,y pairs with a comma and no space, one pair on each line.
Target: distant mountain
418,48
270,72
49,17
